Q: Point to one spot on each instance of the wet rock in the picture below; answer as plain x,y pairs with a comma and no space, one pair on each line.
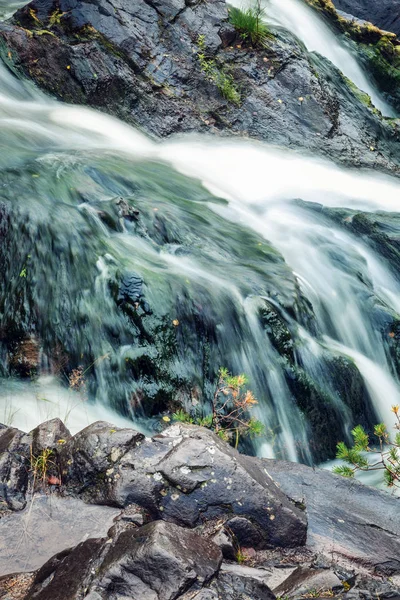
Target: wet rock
126,210
159,561
89,457
146,71
384,14
185,475
14,467
49,435
345,518
130,289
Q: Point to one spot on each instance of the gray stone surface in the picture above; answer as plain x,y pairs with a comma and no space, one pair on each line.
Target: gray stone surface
345,518
48,525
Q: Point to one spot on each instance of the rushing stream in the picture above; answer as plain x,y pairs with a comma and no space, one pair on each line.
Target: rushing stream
216,218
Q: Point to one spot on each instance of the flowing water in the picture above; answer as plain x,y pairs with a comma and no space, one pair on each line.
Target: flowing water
317,36
216,218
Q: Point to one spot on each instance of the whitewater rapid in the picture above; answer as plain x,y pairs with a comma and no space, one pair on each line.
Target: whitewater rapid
259,183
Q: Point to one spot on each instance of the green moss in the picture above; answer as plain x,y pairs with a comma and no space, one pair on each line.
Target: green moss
223,80
379,50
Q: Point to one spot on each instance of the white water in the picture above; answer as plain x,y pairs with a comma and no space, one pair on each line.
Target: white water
47,399
259,181
305,23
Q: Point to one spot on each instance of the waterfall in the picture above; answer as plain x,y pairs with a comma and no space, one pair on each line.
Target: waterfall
310,28
222,239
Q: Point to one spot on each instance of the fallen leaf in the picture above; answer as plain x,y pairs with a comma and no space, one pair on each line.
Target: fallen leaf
52,480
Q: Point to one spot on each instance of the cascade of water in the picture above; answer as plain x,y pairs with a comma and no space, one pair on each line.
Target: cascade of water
62,168
304,22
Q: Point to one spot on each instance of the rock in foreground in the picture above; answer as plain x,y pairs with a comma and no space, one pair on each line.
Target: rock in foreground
190,509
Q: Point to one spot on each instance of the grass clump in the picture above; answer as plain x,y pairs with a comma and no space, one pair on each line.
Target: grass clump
249,24
41,464
224,81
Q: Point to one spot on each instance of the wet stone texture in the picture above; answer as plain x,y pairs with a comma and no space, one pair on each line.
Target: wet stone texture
188,518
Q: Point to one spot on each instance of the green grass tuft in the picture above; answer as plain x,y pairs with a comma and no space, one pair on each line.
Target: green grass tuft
249,24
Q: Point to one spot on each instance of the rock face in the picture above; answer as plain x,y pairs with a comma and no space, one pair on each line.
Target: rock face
345,516
141,63
385,14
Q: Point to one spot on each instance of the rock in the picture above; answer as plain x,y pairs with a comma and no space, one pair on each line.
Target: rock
14,467
48,525
224,541
161,557
65,576
304,581
184,476
126,210
200,595
198,476
51,434
384,14
146,71
88,457
245,532
159,561
346,518
130,289
241,585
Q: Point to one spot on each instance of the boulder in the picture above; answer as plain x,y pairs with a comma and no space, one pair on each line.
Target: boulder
159,561
185,475
14,467
88,457
49,435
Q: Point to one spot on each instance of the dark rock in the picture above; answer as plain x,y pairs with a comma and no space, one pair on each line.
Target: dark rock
130,289
51,434
14,467
245,532
224,541
346,518
126,210
384,14
143,67
160,558
89,457
232,585
185,475
159,561
65,576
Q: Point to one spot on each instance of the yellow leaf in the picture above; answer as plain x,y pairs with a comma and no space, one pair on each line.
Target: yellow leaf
166,419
